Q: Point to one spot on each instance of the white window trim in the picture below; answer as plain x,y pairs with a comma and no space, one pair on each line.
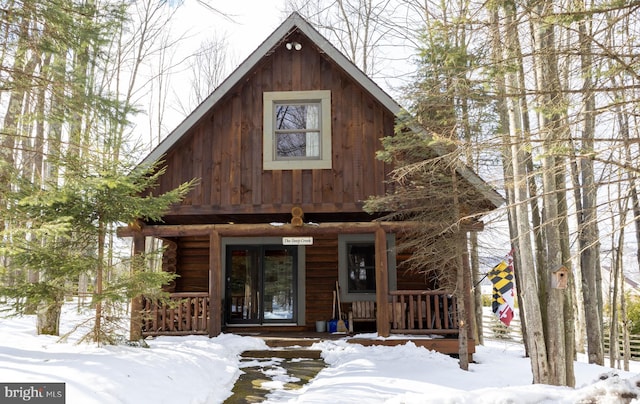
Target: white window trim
343,239
269,161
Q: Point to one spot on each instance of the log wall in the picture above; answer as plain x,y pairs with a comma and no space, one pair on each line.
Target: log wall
321,273
193,264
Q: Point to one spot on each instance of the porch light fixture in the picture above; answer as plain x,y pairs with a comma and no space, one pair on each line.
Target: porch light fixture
293,45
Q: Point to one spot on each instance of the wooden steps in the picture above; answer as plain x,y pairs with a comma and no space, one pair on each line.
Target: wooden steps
290,353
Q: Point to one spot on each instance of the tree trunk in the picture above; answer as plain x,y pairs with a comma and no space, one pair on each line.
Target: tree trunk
463,299
625,328
507,115
97,330
528,289
477,290
551,115
48,318
617,279
80,83
21,74
569,295
587,217
613,328
462,274
636,215
555,329
579,304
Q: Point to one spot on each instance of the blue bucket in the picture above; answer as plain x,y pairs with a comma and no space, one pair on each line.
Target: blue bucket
333,325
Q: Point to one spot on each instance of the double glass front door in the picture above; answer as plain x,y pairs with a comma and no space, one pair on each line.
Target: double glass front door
261,282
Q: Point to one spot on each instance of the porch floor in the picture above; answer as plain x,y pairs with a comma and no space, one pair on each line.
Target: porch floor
281,339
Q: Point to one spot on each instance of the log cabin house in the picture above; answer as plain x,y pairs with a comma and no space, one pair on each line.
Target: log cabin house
284,150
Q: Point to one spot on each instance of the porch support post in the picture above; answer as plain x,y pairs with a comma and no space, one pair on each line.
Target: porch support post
135,326
382,284
215,282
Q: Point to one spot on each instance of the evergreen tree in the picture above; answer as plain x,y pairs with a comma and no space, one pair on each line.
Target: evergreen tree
63,186
449,109
64,236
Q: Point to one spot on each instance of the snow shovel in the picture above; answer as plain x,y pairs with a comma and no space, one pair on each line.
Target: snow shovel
333,314
341,326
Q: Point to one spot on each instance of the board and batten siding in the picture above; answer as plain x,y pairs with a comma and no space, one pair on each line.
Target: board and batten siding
224,150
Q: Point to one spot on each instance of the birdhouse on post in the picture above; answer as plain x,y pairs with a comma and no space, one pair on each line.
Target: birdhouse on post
560,278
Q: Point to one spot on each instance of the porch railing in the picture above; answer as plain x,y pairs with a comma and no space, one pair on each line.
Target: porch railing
411,312
185,313
423,312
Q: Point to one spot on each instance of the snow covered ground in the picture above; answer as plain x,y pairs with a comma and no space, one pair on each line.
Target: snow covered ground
197,369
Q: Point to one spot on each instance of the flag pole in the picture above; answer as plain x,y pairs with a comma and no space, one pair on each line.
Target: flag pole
480,281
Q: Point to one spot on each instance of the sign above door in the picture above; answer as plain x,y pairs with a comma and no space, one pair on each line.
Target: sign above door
297,240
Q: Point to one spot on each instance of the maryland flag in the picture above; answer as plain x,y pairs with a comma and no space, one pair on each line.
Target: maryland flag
503,292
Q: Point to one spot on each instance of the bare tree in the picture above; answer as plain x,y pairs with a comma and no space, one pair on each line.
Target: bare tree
360,29
209,67
586,197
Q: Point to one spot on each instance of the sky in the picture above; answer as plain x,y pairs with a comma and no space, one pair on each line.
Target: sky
200,370
244,24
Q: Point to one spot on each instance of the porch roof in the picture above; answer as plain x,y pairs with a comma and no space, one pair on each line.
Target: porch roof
275,229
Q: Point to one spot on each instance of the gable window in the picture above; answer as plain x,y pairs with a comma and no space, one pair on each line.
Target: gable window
357,268
297,130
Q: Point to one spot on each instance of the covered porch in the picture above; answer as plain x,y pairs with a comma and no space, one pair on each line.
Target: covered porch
427,317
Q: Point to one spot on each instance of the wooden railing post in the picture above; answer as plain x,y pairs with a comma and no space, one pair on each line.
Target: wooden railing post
423,312
189,315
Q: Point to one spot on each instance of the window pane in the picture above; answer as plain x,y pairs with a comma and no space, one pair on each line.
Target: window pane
278,285
298,145
313,144
361,267
244,285
293,116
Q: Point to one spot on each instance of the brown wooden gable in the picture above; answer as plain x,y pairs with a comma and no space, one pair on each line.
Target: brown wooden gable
224,150
220,143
